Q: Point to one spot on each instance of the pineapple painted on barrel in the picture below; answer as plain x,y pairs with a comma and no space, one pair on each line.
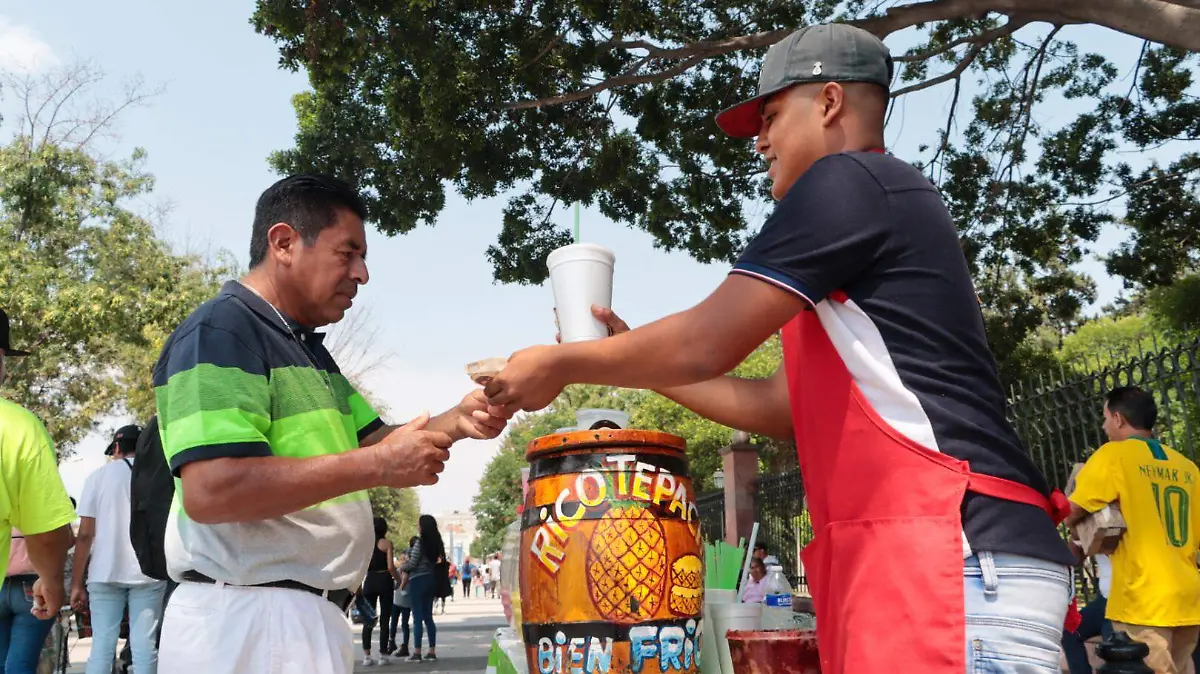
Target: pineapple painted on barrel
627,564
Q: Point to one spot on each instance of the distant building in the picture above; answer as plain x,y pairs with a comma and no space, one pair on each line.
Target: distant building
458,532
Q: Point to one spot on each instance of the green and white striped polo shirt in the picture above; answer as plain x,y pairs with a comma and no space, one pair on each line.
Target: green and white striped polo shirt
232,381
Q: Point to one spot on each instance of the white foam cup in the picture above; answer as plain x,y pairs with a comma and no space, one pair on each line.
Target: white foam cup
581,275
710,658
720,618
720,596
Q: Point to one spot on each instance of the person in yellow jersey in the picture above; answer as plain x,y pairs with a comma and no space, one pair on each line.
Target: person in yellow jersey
1155,581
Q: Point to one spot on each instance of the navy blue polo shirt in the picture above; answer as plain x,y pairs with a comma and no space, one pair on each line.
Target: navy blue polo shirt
910,331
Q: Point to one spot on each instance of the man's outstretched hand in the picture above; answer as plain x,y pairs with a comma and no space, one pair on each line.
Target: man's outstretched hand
534,377
476,419
530,381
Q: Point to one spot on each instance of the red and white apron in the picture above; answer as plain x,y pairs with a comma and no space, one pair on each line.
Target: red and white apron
877,498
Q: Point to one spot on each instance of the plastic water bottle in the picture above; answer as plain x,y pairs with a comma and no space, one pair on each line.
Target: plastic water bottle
777,602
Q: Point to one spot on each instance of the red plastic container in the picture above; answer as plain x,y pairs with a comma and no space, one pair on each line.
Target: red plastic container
774,652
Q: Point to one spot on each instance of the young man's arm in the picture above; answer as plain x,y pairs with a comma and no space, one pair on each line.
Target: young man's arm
734,320
83,552
753,405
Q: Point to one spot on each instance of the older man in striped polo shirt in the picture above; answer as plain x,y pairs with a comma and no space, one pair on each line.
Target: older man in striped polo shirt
274,449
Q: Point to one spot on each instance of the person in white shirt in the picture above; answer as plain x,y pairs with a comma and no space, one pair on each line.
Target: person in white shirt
494,567
114,580
756,584
485,576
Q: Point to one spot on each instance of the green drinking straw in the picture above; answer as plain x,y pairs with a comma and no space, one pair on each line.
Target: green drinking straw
576,222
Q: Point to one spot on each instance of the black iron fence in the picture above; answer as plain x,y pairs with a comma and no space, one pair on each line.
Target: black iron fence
712,515
783,523
1058,419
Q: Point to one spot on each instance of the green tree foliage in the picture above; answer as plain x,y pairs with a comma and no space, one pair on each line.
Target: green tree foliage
400,508
92,291
1105,342
610,104
1175,309
480,549
1143,348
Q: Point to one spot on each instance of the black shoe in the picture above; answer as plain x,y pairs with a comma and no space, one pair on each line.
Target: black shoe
401,652
432,657
416,657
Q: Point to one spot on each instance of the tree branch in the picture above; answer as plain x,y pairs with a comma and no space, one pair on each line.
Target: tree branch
1155,20
545,50
1165,175
949,122
1032,93
624,80
980,38
968,58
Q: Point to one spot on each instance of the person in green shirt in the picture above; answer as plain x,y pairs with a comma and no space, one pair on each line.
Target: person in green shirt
32,496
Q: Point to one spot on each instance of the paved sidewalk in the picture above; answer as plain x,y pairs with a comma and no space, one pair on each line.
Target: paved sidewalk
464,637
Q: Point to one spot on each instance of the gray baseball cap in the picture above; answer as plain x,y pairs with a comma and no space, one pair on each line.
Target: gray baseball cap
832,52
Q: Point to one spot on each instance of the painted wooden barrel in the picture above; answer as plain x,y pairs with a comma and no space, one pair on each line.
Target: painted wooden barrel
611,574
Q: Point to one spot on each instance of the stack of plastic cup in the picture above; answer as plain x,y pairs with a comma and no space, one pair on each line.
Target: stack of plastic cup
581,275
724,617
710,657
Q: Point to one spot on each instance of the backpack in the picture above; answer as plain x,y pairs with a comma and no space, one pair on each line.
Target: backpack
441,576
152,488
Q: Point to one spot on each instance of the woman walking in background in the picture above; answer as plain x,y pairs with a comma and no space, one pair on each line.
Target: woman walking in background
401,607
379,588
424,554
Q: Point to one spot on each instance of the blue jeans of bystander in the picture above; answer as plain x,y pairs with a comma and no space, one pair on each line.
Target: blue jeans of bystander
108,602
21,634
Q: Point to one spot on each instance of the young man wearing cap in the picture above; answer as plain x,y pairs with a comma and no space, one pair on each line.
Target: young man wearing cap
114,578
936,548
32,496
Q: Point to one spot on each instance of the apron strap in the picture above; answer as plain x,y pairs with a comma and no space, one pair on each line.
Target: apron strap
1056,506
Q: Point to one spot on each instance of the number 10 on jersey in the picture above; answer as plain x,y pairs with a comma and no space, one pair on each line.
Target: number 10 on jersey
1174,509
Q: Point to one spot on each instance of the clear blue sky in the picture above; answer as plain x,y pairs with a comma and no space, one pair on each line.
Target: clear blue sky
227,106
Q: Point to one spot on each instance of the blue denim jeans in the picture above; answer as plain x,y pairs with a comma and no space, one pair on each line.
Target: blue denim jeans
421,589
21,634
108,602
1015,608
